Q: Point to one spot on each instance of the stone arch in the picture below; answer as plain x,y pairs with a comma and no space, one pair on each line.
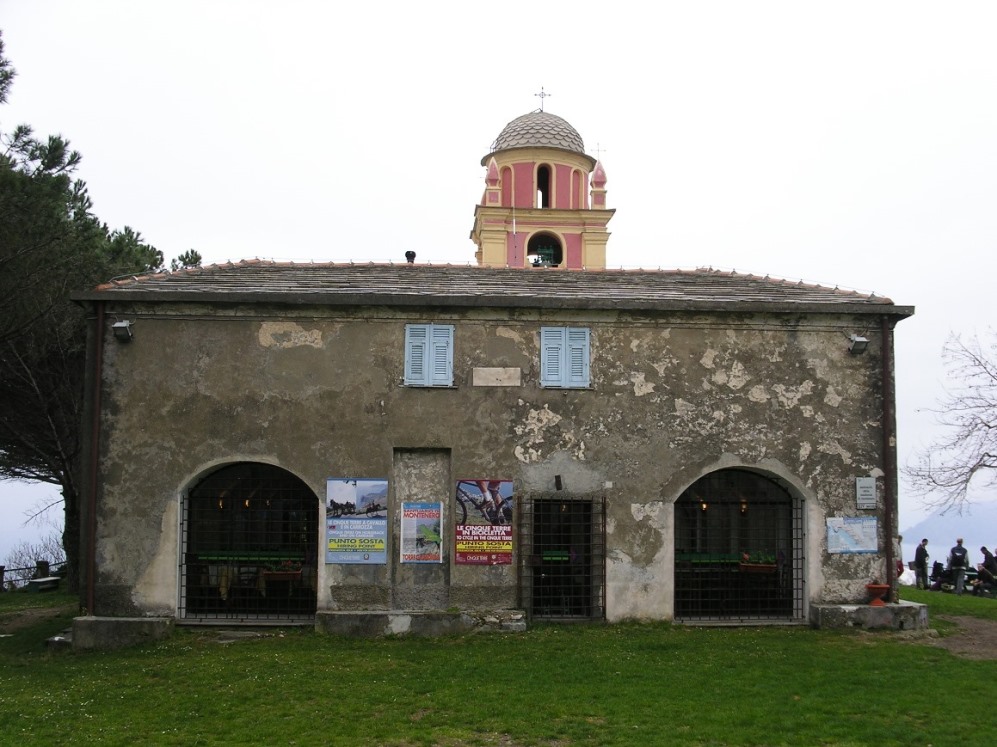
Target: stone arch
250,544
739,547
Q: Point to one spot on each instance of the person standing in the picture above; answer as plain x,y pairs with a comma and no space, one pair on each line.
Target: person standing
958,559
921,564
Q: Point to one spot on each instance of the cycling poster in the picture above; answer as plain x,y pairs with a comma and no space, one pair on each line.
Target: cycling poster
356,521
422,533
483,511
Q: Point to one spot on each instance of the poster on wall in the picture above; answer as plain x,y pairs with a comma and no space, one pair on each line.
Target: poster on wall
851,535
356,520
422,533
483,531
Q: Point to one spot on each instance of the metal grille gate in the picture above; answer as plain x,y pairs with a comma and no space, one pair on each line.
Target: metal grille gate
738,550
250,538
562,563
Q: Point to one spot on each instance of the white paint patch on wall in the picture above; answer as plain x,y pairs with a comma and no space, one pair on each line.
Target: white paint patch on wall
758,393
288,335
641,387
533,429
834,448
156,589
790,396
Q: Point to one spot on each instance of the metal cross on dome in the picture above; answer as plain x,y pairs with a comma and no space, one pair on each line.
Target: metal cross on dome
542,96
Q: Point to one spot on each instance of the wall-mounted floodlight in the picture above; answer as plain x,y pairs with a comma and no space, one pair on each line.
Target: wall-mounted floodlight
122,331
857,344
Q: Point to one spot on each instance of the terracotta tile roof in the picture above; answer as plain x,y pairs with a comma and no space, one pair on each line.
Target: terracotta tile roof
260,281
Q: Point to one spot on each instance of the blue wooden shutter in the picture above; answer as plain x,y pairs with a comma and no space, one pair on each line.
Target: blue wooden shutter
441,355
552,344
429,354
416,345
578,357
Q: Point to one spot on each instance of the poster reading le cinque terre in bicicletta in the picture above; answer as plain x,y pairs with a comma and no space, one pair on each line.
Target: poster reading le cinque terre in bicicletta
483,522
356,521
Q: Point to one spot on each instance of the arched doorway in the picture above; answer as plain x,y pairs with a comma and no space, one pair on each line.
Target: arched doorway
249,535
738,549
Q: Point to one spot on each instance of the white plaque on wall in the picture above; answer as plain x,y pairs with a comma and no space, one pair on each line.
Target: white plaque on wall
496,377
865,492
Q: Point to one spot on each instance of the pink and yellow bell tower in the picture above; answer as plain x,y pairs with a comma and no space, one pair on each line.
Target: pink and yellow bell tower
544,203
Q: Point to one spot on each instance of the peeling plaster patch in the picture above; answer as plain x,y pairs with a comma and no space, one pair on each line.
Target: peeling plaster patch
682,408
738,377
537,421
707,360
719,416
288,335
789,396
805,450
736,409
661,367
635,344
819,367
641,387
510,334
776,355
652,511
832,398
833,447
757,393
807,410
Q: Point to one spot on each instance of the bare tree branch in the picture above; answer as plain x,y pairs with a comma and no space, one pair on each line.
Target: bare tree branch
962,462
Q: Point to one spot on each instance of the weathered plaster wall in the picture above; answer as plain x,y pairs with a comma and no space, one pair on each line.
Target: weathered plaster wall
318,392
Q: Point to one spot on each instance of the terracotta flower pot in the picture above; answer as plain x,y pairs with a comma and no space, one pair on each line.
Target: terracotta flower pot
877,592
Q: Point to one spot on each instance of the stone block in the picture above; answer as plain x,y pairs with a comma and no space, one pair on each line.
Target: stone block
107,633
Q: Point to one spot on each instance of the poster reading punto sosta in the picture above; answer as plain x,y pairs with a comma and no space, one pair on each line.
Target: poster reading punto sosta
356,520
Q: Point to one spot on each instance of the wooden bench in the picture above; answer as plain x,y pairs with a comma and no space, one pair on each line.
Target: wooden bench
49,583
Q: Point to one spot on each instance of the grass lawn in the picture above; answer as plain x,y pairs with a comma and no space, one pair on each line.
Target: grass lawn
630,684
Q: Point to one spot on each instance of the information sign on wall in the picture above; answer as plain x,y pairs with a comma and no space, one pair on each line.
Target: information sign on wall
865,492
851,534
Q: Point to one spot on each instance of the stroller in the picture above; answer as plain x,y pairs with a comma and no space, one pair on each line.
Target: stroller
942,578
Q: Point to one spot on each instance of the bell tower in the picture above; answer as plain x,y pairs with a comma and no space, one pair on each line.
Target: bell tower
544,204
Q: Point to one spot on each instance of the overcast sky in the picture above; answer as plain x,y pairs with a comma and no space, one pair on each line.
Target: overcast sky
845,143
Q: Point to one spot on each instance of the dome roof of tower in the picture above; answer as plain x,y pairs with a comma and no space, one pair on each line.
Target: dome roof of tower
538,129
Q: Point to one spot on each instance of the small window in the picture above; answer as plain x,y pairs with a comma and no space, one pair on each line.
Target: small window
564,357
429,354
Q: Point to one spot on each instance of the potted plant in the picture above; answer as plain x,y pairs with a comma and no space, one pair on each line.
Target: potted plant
757,562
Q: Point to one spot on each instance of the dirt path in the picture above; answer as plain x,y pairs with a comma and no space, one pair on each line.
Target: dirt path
13,621
975,639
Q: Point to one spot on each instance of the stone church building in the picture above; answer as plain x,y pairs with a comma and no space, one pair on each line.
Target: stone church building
292,443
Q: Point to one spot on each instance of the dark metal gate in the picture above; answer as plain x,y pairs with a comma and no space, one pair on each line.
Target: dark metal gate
739,550
250,538
562,563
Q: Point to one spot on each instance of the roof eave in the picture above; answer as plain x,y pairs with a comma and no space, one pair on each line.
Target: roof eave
486,300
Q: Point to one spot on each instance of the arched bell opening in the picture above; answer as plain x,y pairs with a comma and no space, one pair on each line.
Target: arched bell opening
544,250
